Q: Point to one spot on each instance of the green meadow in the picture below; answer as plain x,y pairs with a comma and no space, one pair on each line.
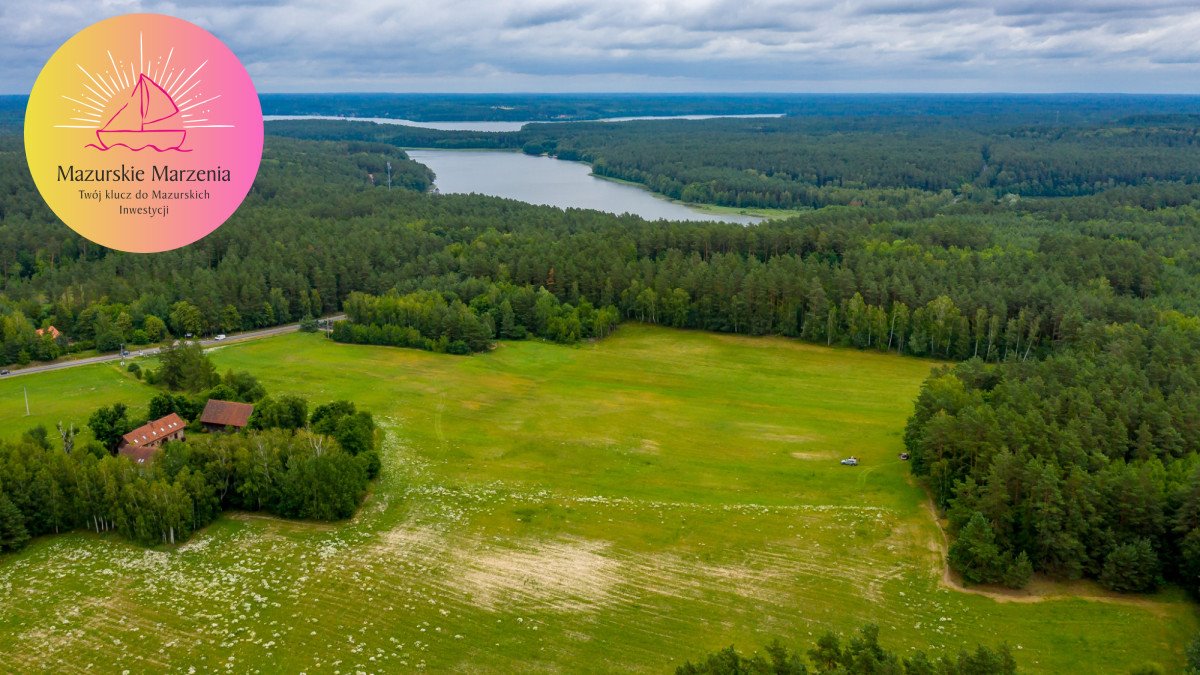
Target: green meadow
617,506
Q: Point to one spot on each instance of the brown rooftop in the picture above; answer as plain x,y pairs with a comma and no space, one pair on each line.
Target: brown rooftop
139,455
226,413
154,432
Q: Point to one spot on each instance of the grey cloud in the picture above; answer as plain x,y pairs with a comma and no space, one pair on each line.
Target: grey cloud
669,45
1123,7
542,16
889,7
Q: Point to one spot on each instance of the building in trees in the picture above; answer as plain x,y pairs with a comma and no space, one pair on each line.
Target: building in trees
219,415
144,442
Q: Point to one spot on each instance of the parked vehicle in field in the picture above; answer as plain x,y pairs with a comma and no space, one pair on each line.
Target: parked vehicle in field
850,461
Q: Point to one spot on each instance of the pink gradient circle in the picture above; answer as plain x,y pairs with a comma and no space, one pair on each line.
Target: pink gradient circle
143,133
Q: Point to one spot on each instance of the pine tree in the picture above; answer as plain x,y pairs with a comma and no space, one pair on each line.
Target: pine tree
974,554
13,535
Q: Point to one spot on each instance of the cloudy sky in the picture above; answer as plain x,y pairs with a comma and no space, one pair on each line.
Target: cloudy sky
665,45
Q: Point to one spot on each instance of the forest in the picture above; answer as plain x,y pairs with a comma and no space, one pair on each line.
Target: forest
885,150
860,654
1059,264
427,320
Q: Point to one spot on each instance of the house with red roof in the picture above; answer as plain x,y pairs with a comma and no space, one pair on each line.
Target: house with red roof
221,415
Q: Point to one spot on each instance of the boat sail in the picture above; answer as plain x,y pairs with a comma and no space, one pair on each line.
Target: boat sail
149,119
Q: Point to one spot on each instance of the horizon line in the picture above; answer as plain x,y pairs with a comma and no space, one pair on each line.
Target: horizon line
704,93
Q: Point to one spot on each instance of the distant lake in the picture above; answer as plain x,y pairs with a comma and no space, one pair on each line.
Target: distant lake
443,126
552,182
487,126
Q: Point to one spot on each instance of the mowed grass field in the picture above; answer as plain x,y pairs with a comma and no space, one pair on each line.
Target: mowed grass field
619,506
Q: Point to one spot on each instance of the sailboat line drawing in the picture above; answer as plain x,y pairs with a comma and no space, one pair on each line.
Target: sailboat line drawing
149,119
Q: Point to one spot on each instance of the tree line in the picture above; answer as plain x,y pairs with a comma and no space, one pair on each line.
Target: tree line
441,322
859,654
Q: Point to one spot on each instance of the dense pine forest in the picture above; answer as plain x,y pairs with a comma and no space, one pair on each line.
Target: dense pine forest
1057,258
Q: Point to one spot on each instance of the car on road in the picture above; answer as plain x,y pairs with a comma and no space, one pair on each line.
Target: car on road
3,372
220,337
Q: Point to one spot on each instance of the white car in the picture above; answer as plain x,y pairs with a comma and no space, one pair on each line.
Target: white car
220,337
850,461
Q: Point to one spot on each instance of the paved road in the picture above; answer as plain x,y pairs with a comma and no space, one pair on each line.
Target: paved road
235,337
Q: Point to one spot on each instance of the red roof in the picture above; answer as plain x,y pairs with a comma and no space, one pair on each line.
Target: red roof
226,413
51,330
139,455
154,431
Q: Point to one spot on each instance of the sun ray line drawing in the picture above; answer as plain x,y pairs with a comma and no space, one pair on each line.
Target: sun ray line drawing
188,89
201,102
120,73
93,79
177,78
82,103
141,108
106,99
189,77
166,63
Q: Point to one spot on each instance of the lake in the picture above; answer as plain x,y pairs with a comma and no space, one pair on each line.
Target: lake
488,126
552,182
442,126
